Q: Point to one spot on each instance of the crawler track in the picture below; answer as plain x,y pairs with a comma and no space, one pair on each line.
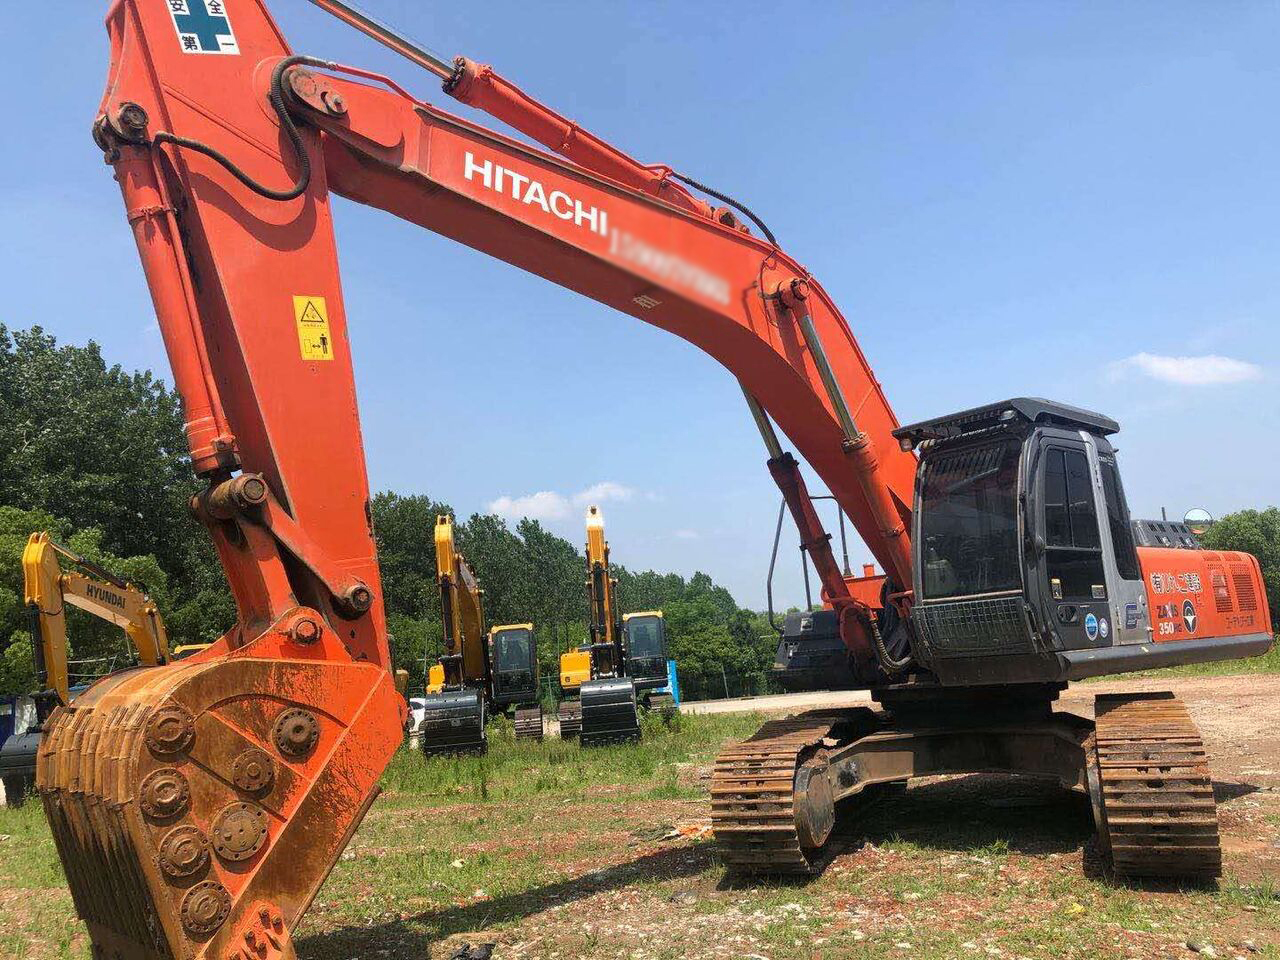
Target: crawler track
570,719
752,797
1153,795
529,723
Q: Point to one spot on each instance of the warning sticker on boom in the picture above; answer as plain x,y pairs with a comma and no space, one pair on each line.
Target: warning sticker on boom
312,317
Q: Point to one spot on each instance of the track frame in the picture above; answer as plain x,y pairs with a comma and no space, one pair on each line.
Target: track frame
774,796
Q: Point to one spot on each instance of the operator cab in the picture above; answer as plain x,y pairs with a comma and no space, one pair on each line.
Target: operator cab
644,640
513,659
1024,555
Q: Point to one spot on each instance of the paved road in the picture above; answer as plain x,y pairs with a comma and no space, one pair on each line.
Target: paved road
780,701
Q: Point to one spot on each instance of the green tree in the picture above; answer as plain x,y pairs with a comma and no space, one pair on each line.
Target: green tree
94,445
1256,532
404,530
103,449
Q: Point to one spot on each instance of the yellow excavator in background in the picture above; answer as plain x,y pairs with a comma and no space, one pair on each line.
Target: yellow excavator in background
477,672
48,589
604,683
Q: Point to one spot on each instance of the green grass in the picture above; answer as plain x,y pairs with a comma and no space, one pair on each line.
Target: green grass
568,852
512,771
1269,662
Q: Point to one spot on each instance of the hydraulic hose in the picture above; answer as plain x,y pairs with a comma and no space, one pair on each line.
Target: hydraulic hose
287,124
888,663
724,197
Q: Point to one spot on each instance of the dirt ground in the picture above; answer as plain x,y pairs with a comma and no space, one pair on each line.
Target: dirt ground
973,866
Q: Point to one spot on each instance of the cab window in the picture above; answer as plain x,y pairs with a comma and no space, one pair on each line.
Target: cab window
1073,552
1118,522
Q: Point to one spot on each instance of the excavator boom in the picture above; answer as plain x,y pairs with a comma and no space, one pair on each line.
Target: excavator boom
48,589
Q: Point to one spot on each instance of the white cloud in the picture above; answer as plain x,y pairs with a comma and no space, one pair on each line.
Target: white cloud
543,505
602,492
1201,371
686,534
550,505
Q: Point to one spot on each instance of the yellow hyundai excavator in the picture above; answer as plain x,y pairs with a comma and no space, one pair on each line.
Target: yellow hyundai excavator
48,589
604,682
477,672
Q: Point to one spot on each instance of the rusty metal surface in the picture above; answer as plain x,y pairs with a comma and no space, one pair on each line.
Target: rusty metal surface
296,732
184,851
205,907
165,793
179,818
239,831
1152,790
253,771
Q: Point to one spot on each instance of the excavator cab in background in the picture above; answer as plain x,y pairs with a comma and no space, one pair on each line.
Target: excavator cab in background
644,645
513,677
48,589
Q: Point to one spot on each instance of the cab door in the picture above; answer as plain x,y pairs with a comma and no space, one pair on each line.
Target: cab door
1070,545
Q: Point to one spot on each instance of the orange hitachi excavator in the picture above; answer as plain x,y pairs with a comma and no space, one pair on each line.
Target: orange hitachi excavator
198,807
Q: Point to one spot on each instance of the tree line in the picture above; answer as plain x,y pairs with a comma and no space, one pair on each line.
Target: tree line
97,456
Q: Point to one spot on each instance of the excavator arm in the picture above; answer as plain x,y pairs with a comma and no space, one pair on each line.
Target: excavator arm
462,610
605,625
199,807
48,589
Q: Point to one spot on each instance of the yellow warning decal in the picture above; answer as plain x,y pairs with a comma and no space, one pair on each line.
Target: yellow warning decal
314,339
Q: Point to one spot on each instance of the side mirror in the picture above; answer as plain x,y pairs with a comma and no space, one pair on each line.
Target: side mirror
1040,546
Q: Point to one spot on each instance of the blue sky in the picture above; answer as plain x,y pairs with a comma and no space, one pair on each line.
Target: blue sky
1074,201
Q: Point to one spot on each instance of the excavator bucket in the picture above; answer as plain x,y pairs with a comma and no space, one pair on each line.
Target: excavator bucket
453,722
197,808
609,712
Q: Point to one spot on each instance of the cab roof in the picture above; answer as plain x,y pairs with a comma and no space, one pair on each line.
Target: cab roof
1027,409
